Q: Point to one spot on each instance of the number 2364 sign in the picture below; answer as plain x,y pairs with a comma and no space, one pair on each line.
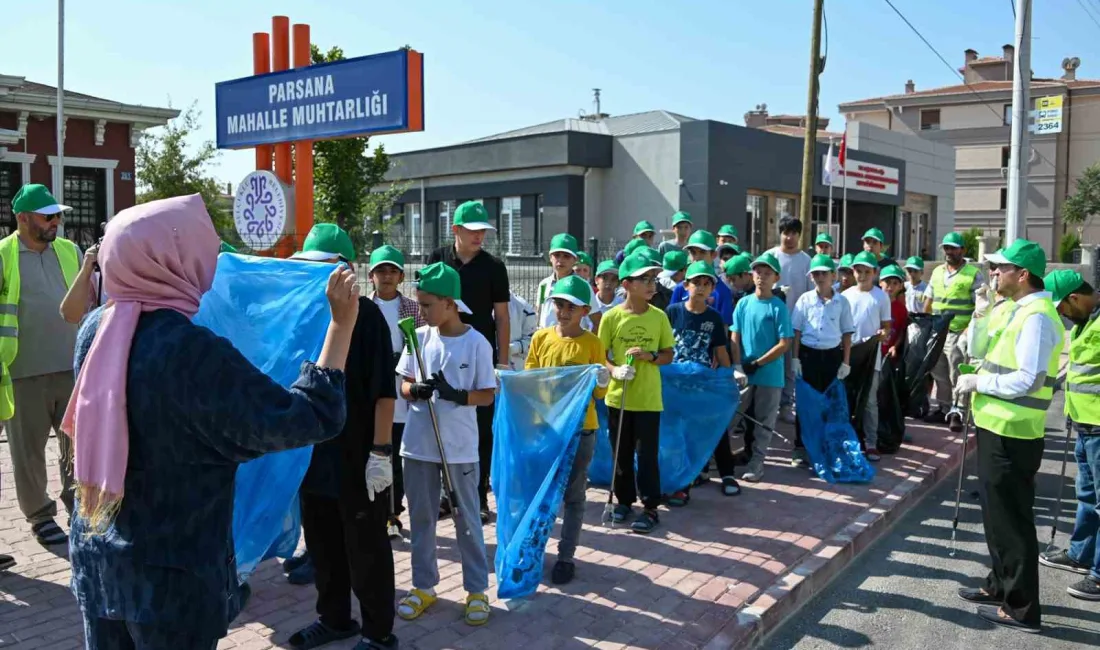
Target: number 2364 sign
260,210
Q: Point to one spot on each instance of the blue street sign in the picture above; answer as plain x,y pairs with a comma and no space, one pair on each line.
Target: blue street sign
381,93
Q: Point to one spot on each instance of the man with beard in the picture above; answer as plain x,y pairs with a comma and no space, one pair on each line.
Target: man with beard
36,353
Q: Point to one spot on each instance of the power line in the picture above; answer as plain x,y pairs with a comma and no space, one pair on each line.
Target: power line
1012,3
1091,17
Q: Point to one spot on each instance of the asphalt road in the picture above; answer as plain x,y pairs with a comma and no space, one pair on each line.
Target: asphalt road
900,593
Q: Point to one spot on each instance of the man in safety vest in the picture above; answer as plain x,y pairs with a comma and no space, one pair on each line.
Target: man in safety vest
1013,389
1079,302
36,353
954,288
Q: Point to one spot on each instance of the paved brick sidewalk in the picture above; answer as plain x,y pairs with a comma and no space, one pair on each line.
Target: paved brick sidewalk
716,574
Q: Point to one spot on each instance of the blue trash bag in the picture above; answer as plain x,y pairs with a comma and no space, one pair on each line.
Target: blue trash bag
827,432
699,404
276,314
536,430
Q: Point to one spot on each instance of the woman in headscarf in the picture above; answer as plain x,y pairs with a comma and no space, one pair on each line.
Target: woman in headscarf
162,414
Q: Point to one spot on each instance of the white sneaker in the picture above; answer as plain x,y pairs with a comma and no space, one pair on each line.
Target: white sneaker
754,473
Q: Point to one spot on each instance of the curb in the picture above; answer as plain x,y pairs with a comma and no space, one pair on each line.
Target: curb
770,608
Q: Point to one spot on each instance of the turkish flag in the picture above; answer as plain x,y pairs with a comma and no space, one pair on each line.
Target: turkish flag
843,149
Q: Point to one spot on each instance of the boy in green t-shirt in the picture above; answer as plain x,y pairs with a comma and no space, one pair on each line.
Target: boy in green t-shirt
637,331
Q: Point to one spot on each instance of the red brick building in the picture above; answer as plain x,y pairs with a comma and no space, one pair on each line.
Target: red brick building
100,138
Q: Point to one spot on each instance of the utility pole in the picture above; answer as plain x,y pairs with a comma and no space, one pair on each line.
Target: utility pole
1020,150
810,142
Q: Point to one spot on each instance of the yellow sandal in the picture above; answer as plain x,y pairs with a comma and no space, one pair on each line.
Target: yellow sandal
477,609
414,604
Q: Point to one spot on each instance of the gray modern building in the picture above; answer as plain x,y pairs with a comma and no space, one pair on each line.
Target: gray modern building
597,176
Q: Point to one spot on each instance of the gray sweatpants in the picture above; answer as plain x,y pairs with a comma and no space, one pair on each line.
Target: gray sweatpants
574,500
765,400
422,485
946,371
40,403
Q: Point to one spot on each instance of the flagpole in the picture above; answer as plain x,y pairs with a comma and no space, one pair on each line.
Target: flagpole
844,186
59,178
829,216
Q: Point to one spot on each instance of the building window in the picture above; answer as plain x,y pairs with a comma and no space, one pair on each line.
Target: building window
10,181
1004,198
446,211
1006,156
414,229
511,222
930,119
86,194
1008,114
756,209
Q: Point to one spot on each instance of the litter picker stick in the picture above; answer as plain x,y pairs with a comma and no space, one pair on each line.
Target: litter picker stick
408,328
1061,489
742,414
609,508
964,369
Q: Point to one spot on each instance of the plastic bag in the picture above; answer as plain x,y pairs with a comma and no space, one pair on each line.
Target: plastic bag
536,430
275,312
699,404
828,435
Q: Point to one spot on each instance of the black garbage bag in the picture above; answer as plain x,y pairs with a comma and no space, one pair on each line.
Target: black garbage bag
925,340
891,416
858,383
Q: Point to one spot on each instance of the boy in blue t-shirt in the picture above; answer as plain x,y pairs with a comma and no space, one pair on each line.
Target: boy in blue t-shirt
761,336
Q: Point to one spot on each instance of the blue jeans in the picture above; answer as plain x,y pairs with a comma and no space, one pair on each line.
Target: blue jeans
1082,544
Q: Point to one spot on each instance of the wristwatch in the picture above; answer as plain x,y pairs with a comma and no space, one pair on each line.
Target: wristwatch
383,449
655,356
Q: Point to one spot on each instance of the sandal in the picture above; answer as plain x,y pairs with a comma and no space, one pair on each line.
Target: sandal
477,609
414,604
620,513
646,522
679,499
730,486
48,533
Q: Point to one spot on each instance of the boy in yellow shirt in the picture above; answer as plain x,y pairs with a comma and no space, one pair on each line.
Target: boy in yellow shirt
568,344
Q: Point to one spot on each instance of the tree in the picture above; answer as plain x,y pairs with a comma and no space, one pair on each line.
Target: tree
970,242
167,166
1085,202
344,171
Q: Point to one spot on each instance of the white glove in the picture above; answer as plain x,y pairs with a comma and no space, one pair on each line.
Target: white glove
966,384
623,372
379,474
843,371
515,348
796,367
740,377
603,377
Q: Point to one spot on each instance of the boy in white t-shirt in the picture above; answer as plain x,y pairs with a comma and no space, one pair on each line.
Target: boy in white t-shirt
607,293
387,272
563,260
459,373
871,317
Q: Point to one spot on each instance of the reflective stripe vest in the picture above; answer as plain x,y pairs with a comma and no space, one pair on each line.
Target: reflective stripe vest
1025,416
1083,376
69,258
954,296
984,332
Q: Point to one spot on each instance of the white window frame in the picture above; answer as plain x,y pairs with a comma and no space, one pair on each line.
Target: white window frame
415,227
511,221
446,213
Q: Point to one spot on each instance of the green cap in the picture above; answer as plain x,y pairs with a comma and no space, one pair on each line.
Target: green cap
1024,254
387,255
767,259
876,234
701,268
728,231
737,265
736,249
681,217
651,255
34,197
584,258
892,271
643,226
226,248
866,258
952,239
636,265
915,262
845,262
702,239
633,245
573,289
441,280
326,242
824,238
471,215
607,266
675,261
822,262
728,247
564,243
1061,283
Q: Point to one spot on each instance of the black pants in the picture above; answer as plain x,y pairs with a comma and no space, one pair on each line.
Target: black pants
1006,469
484,451
723,456
641,433
819,369
398,488
351,552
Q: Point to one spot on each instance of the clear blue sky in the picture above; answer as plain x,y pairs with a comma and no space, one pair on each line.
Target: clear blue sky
495,65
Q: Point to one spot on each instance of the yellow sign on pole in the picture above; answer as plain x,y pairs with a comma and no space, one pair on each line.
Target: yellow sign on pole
1048,115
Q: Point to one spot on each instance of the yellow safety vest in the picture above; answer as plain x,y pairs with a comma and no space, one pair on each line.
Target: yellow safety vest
69,258
954,296
1020,417
1083,375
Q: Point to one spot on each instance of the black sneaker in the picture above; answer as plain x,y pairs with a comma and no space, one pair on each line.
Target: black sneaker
484,514
302,575
318,634
389,643
954,421
977,595
292,563
936,417
562,573
6,562
1087,589
1062,560
992,613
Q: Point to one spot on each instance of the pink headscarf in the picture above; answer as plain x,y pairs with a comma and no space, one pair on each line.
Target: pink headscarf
158,255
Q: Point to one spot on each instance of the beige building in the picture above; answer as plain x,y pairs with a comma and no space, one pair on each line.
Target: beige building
974,118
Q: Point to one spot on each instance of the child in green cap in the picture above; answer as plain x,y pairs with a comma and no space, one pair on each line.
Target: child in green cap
563,261
915,286
674,262
458,377
584,266
608,294
567,343
871,316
